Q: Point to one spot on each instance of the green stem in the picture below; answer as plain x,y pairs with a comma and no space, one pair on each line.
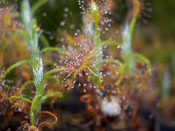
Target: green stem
127,38
44,41
97,36
35,103
53,49
23,86
141,57
19,97
98,46
32,37
110,43
136,9
53,71
132,24
14,66
52,94
37,5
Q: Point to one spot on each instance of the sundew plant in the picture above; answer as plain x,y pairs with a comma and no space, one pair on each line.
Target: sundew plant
105,78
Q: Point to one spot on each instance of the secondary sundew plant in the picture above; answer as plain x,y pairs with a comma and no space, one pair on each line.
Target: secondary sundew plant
85,54
84,63
86,50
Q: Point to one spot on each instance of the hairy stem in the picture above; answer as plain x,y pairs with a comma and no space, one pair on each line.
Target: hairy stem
53,71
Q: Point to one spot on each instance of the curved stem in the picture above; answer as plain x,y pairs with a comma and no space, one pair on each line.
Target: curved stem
53,49
136,8
44,40
19,97
52,94
141,57
23,86
47,124
37,5
14,66
53,71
